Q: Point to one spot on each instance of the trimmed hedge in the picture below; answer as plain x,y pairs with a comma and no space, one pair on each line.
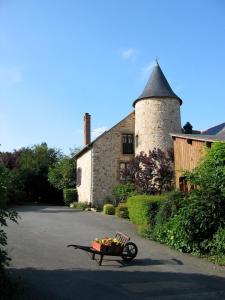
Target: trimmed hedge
79,205
109,209
69,196
122,211
143,208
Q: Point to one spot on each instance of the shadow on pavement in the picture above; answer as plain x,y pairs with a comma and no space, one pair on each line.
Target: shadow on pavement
45,209
123,284
155,262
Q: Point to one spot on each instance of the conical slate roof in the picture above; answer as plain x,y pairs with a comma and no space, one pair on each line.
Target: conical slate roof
157,87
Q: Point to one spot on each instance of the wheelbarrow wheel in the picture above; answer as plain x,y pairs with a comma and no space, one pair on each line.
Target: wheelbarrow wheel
130,251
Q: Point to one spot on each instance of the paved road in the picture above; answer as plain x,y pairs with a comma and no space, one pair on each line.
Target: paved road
49,270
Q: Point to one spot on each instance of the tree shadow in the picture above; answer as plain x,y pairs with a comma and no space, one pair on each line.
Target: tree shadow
40,208
123,284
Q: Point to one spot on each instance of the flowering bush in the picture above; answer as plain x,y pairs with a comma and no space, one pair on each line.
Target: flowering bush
107,241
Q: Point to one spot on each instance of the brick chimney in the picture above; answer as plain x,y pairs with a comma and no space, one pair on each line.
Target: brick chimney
87,129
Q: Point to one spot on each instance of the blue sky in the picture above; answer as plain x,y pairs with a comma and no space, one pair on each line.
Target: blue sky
60,59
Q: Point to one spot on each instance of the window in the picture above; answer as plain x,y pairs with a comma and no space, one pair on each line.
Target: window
123,168
128,143
183,184
208,144
79,173
189,141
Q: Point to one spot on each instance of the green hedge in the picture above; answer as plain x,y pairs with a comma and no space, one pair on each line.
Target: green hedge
143,208
69,196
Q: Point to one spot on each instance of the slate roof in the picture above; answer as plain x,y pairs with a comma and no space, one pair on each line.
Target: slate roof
157,86
200,137
215,130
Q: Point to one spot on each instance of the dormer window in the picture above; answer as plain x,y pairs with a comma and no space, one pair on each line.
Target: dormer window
128,144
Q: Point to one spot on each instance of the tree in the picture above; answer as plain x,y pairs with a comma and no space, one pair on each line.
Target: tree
152,173
62,175
28,171
4,213
209,175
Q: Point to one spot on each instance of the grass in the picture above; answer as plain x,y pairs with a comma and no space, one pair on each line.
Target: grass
217,259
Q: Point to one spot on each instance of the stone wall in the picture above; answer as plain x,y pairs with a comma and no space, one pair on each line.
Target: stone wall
107,155
84,162
155,119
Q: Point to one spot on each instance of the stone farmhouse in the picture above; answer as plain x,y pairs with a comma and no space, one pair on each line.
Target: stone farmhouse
156,115
154,123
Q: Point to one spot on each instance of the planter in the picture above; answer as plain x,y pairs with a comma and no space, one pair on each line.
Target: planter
113,249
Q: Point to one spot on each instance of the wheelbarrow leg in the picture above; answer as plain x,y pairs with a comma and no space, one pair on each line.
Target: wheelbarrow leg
93,256
100,261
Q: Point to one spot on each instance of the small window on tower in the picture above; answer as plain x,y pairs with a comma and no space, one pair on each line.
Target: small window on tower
128,144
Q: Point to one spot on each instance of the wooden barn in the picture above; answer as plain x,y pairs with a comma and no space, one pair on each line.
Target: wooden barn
188,149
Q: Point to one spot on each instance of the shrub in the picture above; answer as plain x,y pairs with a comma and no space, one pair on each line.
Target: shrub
151,173
143,208
122,211
209,175
79,205
194,225
109,209
123,191
11,215
168,208
69,196
217,245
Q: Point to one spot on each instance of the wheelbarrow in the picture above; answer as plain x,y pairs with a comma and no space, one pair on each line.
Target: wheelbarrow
127,250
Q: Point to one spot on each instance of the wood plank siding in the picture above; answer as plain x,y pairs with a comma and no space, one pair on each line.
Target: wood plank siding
187,153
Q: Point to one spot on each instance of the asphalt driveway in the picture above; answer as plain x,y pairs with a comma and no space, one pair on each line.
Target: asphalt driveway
50,270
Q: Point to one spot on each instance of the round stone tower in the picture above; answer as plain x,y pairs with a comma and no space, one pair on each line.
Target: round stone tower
157,114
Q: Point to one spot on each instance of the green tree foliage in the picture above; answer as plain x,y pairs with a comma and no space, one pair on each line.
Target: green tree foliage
5,214
194,227
123,191
4,185
69,196
209,176
28,172
62,174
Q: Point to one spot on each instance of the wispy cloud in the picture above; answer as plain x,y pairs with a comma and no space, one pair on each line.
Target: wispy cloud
10,76
145,71
129,53
98,131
